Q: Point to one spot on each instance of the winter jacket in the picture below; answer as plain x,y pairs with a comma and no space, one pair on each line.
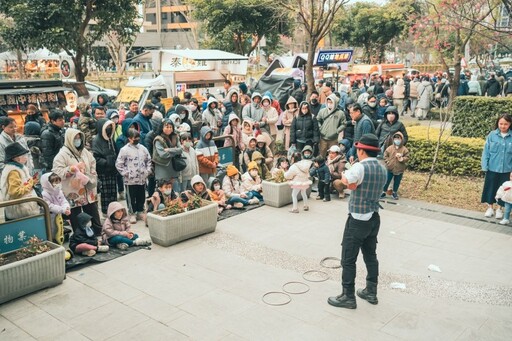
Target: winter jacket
52,140
192,167
255,112
235,133
474,87
87,125
298,174
272,116
424,95
144,125
164,149
399,89
54,197
103,148
159,198
325,92
79,236
390,157
331,122
78,185
322,173
6,140
413,89
207,153
363,126
232,187
37,117
150,137
134,164
213,117
247,132
463,89
505,192
304,128
492,87
336,166
125,126
497,153
113,227
16,183
250,184
386,129
371,113
287,118
187,195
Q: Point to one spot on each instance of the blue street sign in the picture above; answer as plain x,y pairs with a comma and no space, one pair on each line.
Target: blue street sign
14,234
333,57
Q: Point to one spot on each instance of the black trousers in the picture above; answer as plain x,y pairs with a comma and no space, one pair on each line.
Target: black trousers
359,235
324,190
136,198
90,209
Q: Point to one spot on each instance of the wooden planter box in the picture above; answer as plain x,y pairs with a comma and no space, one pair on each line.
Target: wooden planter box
279,194
31,274
166,231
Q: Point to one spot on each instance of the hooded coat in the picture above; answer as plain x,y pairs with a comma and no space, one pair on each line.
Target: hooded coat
298,174
474,86
79,236
254,111
213,117
164,149
79,186
272,116
387,129
247,132
125,126
492,87
103,148
187,195
113,227
235,133
144,123
331,122
53,197
52,139
424,95
304,128
288,116
207,153
391,160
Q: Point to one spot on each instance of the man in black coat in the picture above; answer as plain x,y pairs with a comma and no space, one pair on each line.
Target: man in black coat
52,138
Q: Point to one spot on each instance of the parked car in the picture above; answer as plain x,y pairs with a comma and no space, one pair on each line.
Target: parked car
94,90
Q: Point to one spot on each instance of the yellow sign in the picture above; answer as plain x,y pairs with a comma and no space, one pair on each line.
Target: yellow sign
167,102
129,93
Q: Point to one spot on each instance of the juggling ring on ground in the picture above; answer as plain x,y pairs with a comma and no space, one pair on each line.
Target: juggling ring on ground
276,293
322,263
325,274
296,292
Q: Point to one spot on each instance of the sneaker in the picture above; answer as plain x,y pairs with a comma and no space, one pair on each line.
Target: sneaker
394,196
89,253
319,198
499,213
254,201
121,196
383,195
133,219
294,210
238,205
103,248
504,222
122,246
141,242
489,213
306,208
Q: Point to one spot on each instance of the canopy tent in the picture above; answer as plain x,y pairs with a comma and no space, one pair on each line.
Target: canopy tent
43,53
11,55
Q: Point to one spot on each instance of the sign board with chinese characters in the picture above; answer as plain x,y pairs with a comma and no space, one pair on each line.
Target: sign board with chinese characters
226,156
129,93
14,234
43,100
326,57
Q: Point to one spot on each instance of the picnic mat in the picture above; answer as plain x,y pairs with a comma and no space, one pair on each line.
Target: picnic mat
78,260
236,211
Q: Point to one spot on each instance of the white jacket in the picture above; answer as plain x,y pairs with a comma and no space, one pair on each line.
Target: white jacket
505,192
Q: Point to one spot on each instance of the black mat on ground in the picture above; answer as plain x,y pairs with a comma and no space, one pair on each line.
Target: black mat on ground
236,211
78,260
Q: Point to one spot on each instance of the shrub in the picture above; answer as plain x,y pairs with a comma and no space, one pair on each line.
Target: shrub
476,116
457,155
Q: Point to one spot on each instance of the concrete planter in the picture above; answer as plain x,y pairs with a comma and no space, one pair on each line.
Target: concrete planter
166,231
31,274
278,194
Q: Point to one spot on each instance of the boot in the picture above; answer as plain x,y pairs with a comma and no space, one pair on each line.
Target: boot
369,293
345,300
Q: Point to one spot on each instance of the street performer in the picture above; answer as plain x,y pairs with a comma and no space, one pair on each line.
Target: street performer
365,179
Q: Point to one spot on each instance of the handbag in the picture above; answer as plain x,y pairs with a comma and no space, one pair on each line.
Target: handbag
179,162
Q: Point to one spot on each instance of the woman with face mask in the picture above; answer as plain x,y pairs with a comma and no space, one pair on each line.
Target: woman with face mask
76,166
304,129
192,165
389,126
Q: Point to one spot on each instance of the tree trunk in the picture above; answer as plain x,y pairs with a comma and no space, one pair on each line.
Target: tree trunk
310,78
21,64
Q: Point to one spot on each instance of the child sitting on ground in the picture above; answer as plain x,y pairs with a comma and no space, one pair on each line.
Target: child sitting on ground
251,182
54,197
116,229
162,197
198,188
83,241
395,157
217,195
505,194
298,176
321,171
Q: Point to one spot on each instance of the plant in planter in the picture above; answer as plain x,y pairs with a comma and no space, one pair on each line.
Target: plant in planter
35,246
180,221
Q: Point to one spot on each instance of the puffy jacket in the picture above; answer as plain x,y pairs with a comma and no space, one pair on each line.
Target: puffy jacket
304,128
332,122
52,140
391,160
103,148
79,236
113,227
386,129
207,153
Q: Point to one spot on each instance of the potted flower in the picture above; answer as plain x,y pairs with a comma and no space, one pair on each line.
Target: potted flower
39,265
276,190
180,221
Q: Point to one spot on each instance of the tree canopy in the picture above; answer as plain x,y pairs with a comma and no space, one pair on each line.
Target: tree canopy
239,25
72,25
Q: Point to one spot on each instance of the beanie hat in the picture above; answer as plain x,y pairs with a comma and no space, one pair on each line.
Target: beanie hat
231,170
252,165
368,142
14,150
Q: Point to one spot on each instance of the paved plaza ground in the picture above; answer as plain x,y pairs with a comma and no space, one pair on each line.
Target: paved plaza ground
211,288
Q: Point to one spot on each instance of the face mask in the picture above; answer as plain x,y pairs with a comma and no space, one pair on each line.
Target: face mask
216,187
266,104
307,156
182,116
58,186
372,104
330,106
188,144
397,142
88,229
253,173
168,192
136,141
314,101
77,143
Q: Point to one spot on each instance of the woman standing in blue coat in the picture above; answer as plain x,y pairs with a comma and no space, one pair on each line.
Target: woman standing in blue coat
497,163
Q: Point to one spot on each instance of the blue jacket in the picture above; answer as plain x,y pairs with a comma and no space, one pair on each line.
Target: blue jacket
497,153
145,126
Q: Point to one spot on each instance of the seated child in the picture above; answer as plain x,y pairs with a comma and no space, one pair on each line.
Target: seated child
54,197
116,229
217,195
233,189
321,171
162,196
263,171
198,188
83,241
251,182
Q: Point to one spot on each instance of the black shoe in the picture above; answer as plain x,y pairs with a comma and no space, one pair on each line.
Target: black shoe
383,195
369,293
319,198
343,301
395,196
327,199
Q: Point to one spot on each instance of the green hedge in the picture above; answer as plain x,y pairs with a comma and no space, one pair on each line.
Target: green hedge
457,155
476,116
